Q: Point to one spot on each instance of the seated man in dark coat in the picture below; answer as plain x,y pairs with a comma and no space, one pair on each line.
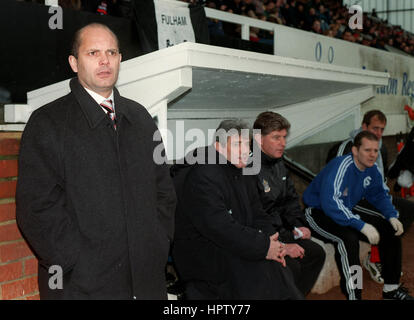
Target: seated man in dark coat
224,246
279,198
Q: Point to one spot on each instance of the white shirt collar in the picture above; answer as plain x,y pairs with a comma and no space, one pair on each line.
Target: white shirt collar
99,99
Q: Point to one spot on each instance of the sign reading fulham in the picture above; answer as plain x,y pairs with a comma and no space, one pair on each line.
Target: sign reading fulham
173,24
174,21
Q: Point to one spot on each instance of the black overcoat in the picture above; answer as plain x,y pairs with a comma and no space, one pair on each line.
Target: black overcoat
92,200
222,234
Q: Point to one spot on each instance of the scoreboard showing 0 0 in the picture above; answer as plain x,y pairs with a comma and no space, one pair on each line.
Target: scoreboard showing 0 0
319,51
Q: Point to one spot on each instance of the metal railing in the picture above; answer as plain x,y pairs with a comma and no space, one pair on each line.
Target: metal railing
245,22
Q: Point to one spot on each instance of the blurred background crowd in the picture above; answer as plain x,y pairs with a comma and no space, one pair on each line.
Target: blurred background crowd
325,17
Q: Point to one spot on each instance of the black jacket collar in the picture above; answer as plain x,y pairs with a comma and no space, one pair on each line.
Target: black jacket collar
91,109
264,158
267,160
208,155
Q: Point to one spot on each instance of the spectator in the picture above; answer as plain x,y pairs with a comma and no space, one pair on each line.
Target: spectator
71,4
329,33
289,11
215,27
248,9
310,18
275,16
300,16
316,27
103,7
235,7
323,17
347,36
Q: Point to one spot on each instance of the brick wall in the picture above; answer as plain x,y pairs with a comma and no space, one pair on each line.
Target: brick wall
18,265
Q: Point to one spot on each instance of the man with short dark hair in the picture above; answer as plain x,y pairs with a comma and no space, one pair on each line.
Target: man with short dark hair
91,199
375,121
330,199
224,246
281,202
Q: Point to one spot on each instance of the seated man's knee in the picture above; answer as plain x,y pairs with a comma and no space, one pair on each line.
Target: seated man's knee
351,238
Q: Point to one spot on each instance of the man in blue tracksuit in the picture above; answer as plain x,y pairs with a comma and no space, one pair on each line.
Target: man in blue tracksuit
330,198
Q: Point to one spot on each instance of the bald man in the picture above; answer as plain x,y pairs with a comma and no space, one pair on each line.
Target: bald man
91,201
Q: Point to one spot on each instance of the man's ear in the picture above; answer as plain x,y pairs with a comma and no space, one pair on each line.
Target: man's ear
364,127
354,150
73,62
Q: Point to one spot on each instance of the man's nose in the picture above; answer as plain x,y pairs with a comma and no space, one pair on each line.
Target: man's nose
103,59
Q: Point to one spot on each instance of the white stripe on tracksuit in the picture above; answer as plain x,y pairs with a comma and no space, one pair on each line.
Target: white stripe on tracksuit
341,249
341,148
337,185
340,152
368,211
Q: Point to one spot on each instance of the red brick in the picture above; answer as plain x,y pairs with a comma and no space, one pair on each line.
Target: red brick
19,288
9,232
8,189
14,251
11,271
9,146
7,211
30,267
8,168
34,297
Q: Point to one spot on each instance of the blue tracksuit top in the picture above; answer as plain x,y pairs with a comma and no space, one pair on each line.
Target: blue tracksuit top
341,185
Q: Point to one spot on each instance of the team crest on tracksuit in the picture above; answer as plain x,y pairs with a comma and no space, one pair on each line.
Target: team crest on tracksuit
367,182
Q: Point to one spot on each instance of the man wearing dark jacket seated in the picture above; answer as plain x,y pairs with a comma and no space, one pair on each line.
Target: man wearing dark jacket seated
224,246
281,202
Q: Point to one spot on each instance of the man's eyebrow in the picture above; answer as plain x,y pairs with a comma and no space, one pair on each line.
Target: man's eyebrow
95,49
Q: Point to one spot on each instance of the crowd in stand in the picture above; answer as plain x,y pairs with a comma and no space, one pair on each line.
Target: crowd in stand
118,8
325,17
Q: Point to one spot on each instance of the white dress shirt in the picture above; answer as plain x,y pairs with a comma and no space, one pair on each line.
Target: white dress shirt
99,99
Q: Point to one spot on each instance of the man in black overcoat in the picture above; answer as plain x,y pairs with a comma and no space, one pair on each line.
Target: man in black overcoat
224,245
92,201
